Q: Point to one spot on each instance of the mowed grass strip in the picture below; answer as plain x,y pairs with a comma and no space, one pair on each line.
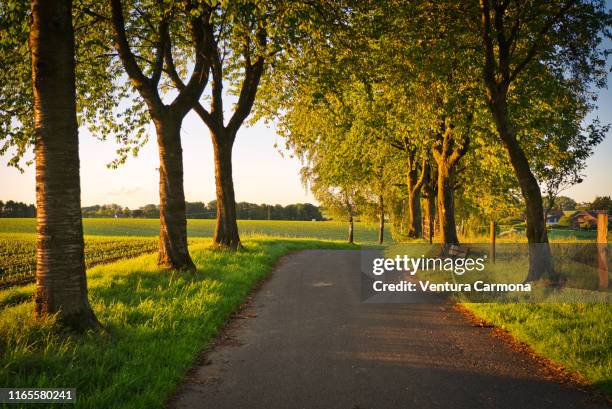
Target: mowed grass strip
328,230
158,321
577,336
18,252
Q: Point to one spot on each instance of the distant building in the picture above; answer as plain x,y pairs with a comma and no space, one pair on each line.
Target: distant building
584,220
554,216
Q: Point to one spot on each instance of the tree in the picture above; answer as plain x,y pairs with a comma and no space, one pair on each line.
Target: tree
602,203
521,43
337,201
229,46
156,23
447,151
106,104
565,203
488,189
430,192
243,37
61,285
567,150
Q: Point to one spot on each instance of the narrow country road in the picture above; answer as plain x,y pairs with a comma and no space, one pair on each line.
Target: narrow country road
308,342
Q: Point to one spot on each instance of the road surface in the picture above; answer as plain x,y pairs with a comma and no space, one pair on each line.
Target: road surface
307,341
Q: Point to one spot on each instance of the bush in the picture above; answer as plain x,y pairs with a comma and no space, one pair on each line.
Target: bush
564,221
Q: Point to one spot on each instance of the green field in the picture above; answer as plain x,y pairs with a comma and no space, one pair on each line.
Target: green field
329,230
18,252
107,240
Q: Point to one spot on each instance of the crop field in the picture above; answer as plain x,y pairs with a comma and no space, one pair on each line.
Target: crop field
18,252
330,230
108,240
111,239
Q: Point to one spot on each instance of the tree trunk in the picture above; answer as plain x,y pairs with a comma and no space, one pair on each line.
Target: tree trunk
351,229
446,205
61,284
414,214
226,228
414,206
429,193
540,257
381,226
429,216
173,250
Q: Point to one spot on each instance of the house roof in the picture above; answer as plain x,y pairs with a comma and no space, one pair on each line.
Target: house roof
576,213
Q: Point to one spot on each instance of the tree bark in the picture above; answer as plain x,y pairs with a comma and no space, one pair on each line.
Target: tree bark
450,147
61,284
429,216
414,208
381,226
446,205
351,229
414,182
429,194
226,228
173,249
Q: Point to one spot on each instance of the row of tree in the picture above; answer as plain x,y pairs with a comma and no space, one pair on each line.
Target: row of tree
194,210
386,101
423,112
16,209
567,203
114,66
200,210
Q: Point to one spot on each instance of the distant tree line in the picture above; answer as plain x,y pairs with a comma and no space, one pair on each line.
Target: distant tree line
567,203
201,210
16,209
248,211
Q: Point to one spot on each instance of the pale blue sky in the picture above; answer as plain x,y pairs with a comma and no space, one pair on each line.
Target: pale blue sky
261,174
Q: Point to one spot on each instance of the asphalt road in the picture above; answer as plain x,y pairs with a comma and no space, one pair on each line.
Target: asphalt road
307,341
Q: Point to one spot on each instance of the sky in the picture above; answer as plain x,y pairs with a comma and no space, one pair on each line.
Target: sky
261,173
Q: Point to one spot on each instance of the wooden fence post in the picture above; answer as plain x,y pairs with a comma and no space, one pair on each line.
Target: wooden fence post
602,243
492,241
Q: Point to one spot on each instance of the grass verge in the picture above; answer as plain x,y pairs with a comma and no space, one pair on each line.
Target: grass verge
577,336
158,322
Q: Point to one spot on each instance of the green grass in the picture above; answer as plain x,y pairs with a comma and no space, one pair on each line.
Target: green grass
577,336
158,321
330,230
554,235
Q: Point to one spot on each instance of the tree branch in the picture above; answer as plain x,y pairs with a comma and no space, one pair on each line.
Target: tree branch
533,50
190,93
250,84
139,80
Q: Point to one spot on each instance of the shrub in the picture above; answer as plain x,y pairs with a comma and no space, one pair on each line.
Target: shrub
564,221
